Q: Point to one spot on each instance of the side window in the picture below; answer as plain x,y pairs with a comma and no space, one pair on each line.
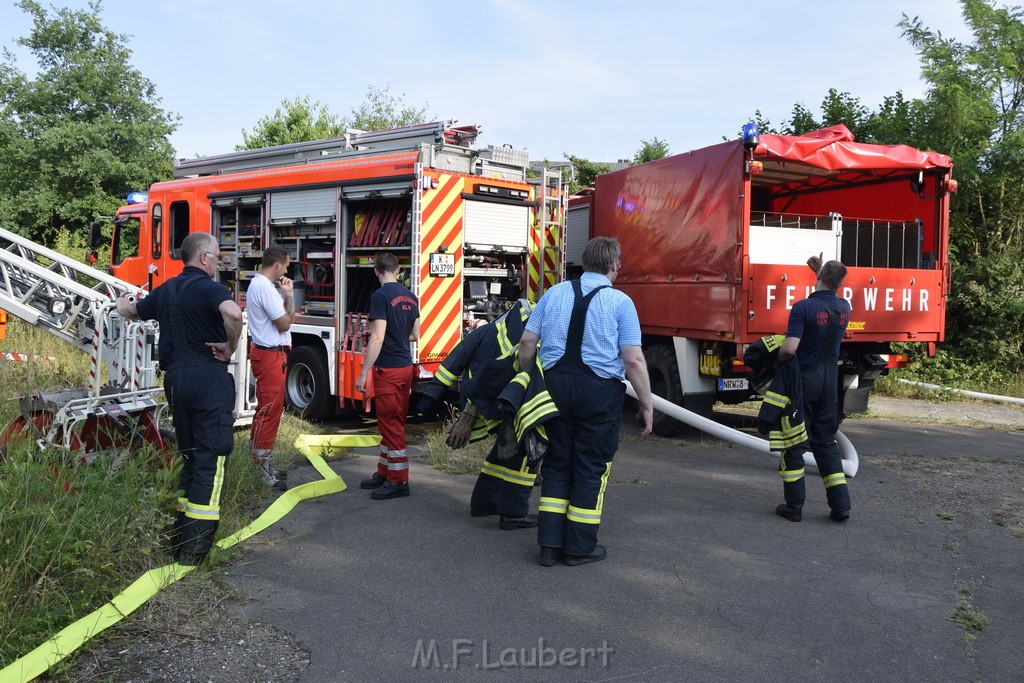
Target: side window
178,227
158,230
126,240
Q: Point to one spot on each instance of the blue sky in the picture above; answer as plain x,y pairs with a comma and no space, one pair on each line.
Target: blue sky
591,79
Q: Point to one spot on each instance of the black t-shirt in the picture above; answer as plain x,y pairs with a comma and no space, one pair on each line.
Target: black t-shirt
809,321
200,307
396,305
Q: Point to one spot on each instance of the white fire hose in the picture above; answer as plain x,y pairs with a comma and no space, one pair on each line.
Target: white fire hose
849,454
964,392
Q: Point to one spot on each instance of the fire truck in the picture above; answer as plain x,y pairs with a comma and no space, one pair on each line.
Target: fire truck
471,231
715,243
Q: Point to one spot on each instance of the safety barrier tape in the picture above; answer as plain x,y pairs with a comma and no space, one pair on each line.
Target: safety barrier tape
25,357
314,447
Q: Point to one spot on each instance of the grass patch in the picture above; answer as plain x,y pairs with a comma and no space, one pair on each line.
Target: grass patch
445,459
969,618
945,516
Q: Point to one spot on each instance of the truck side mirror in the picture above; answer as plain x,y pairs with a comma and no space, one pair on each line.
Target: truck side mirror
95,235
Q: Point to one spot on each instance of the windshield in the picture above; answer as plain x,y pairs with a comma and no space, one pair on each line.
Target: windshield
125,241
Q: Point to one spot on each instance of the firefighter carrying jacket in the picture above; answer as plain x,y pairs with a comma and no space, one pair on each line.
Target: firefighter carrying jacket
507,476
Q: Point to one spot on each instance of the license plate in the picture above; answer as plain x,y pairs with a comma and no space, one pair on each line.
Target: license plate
442,265
733,385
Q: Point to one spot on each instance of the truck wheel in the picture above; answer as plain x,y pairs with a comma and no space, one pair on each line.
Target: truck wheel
664,372
307,389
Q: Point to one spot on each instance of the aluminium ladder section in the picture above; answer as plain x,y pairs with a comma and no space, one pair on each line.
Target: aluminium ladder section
89,321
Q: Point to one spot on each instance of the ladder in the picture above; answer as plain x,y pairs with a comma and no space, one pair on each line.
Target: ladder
551,203
76,303
354,143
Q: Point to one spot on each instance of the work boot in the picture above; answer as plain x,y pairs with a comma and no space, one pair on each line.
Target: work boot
391,489
839,515
596,555
791,513
510,523
549,556
271,476
481,512
374,481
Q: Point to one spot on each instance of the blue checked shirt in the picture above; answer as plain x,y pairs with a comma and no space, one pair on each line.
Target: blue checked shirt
611,323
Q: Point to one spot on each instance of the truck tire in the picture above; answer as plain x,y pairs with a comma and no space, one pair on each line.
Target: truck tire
307,388
664,372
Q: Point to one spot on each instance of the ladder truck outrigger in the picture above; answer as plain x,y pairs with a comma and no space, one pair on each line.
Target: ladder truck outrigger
472,233
122,404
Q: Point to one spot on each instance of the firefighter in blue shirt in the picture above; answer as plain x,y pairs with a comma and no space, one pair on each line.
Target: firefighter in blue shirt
816,328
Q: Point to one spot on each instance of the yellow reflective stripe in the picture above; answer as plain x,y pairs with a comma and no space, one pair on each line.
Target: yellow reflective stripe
509,475
789,476
604,485
503,341
444,376
775,399
583,515
218,480
181,503
778,443
522,379
772,342
834,480
557,505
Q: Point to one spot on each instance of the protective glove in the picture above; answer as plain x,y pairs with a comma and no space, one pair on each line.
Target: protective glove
506,445
458,437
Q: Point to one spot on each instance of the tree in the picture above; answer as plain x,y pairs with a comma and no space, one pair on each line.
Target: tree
800,121
295,120
381,110
651,150
585,172
975,112
300,120
82,132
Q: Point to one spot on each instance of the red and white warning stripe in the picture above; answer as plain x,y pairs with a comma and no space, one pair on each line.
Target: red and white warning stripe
25,357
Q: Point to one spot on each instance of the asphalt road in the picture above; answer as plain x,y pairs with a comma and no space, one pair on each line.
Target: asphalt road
702,582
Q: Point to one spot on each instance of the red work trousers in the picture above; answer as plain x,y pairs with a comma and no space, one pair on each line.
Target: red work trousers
269,368
391,389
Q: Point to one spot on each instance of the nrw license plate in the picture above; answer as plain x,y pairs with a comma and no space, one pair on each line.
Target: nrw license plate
733,385
442,265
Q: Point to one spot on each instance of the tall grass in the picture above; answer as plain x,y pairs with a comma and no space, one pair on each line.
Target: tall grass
73,537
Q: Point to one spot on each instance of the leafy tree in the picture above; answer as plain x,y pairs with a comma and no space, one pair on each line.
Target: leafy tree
651,150
843,108
296,120
585,172
80,133
381,110
800,121
975,113
300,120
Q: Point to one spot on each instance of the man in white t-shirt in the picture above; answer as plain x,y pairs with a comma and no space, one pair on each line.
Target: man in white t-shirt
270,304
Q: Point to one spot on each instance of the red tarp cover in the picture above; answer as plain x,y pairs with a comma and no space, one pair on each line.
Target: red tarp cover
833,148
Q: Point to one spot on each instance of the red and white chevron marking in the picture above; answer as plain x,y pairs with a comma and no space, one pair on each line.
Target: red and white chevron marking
25,357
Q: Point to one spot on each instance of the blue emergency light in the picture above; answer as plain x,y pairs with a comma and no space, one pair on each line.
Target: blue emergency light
751,136
138,197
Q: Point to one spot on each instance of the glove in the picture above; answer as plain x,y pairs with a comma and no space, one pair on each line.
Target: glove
535,448
458,437
506,445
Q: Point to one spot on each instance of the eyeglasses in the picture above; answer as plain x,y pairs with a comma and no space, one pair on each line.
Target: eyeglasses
214,254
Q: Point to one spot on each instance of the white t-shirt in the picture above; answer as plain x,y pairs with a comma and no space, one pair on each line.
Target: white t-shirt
264,303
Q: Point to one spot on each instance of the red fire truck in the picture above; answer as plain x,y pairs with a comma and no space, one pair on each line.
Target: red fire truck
715,243
471,233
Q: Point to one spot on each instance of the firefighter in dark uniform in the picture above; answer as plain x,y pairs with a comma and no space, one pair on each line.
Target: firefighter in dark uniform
506,478
589,338
816,328
199,329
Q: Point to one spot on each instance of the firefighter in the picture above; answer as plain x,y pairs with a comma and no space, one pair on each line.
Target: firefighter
508,474
394,322
200,325
591,338
815,331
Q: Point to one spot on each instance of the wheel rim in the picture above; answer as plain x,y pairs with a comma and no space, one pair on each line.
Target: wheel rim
301,386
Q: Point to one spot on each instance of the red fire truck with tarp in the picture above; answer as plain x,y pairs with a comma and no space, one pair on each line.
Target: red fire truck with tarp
715,243
471,232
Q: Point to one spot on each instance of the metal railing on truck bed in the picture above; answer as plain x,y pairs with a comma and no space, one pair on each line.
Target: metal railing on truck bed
864,243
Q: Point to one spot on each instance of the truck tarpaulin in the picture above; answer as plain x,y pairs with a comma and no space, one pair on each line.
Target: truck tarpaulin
833,148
